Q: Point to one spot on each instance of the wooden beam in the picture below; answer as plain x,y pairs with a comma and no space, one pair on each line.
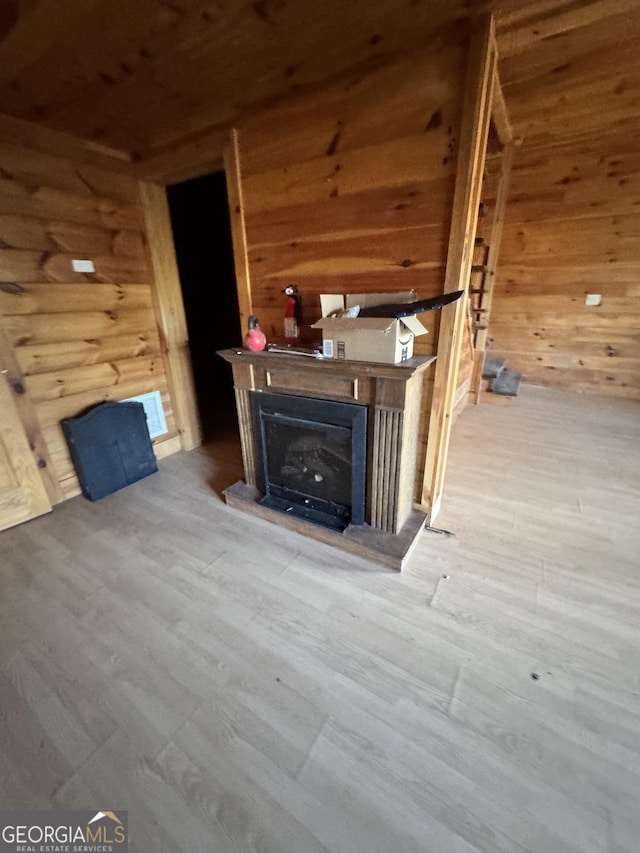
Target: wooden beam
189,157
499,112
22,493
470,166
495,240
170,315
232,164
27,413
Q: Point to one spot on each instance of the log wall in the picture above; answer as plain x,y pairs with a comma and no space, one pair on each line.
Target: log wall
75,339
351,190
573,228
573,214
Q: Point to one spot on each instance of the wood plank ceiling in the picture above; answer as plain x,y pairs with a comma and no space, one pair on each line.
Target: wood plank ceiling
140,76
149,76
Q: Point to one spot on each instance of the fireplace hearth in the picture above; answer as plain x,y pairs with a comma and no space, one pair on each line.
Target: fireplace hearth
329,449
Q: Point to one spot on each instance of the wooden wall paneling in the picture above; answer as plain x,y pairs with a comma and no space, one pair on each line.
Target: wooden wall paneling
612,239
16,131
52,411
392,163
233,169
73,339
572,229
517,33
471,157
572,280
35,329
30,166
378,104
418,248
63,298
347,198
29,232
32,266
45,202
25,410
45,357
74,380
22,492
412,205
170,314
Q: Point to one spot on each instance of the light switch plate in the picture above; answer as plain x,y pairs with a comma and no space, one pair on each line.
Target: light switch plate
593,299
83,266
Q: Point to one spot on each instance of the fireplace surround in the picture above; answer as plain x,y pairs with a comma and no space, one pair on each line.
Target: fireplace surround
276,393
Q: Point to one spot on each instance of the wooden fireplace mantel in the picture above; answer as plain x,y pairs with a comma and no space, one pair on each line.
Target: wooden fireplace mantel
392,393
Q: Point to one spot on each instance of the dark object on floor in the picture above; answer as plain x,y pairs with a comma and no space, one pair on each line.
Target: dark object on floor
110,448
407,309
493,366
506,383
439,530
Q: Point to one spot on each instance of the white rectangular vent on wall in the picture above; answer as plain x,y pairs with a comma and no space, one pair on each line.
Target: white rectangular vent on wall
83,266
154,410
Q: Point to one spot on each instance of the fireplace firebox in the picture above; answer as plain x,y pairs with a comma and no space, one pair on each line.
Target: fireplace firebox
313,456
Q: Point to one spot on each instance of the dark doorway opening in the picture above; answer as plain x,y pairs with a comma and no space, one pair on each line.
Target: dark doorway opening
204,250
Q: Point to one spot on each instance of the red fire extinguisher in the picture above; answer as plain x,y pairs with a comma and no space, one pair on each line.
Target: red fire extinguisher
292,314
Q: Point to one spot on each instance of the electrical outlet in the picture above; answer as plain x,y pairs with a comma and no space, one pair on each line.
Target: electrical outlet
83,266
593,299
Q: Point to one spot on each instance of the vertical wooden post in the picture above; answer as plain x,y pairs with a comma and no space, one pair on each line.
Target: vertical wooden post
232,166
495,239
471,158
501,122
169,308
26,411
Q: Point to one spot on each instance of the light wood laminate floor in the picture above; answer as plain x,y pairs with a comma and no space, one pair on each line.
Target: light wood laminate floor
239,688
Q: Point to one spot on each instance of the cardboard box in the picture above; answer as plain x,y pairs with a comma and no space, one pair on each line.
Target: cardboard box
387,340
